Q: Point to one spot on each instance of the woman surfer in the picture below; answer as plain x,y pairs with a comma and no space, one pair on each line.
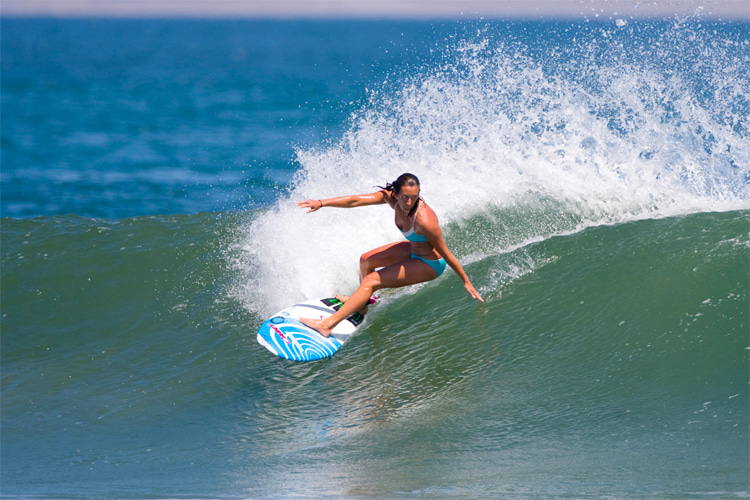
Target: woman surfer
421,258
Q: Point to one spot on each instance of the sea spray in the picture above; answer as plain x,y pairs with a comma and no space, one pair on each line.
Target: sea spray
589,126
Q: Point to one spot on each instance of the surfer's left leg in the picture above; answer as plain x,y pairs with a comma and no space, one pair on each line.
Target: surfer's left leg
404,273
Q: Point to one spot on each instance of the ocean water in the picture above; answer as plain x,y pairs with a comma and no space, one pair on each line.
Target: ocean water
592,177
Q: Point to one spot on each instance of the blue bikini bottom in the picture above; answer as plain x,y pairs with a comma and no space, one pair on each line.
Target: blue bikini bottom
437,265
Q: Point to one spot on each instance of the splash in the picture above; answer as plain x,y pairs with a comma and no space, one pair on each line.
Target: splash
521,139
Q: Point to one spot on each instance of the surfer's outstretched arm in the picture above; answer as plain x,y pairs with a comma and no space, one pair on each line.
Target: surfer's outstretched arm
431,228
452,261
351,201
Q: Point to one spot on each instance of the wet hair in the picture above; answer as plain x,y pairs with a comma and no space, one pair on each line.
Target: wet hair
408,180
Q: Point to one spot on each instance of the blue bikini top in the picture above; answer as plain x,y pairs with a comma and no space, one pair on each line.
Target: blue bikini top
410,234
414,237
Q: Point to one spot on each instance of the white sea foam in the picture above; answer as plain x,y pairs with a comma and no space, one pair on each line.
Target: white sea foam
609,139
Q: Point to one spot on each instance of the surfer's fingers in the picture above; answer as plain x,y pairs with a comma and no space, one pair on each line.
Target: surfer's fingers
310,205
473,292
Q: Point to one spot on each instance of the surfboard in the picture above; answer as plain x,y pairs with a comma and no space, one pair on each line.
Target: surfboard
284,335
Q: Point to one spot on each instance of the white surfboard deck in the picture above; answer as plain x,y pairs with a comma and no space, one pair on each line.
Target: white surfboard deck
284,335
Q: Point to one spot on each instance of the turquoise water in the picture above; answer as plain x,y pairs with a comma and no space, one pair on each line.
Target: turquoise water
594,183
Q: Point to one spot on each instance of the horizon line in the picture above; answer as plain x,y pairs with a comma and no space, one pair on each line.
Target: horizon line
729,10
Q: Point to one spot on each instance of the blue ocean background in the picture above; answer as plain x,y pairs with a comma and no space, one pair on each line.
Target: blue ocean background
592,176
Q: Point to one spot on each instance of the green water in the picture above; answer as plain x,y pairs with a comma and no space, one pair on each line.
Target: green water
611,361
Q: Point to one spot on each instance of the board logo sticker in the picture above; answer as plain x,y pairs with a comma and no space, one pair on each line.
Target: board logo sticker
280,334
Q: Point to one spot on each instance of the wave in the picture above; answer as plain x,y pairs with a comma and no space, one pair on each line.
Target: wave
516,141
125,345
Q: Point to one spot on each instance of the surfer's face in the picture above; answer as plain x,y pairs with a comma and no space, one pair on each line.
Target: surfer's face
407,197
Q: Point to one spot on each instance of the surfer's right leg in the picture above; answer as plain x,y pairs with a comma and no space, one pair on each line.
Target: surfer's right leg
377,258
383,256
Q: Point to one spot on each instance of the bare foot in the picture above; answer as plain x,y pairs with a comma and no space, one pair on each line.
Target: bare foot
317,325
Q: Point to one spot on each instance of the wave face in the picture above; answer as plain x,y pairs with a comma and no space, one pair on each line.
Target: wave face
594,183
612,360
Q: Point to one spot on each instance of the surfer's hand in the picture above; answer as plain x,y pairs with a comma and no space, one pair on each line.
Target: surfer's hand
472,291
313,205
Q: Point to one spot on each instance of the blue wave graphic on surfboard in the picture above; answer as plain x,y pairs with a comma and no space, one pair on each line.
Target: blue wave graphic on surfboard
290,339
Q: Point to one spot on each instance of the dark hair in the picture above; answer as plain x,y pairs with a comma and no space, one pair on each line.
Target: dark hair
403,180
